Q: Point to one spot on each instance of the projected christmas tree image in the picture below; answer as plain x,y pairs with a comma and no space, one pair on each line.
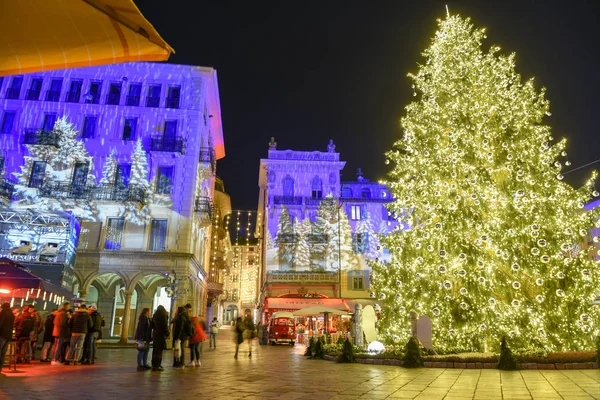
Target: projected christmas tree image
493,247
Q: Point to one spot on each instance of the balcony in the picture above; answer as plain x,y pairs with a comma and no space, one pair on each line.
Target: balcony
287,238
207,155
6,189
318,238
73,97
152,101
172,102
312,201
52,95
113,99
13,93
117,194
203,205
170,144
32,94
215,288
288,200
36,136
302,277
352,199
133,101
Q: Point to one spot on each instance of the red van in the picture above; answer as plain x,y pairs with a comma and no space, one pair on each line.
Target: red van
282,328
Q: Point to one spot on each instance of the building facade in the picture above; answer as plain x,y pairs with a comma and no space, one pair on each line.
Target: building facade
130,150
317,232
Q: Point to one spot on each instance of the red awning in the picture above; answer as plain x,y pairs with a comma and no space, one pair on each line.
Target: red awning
292,304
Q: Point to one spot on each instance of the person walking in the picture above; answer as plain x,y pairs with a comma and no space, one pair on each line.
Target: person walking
143,336
80,324
159,337
38,327
7,322
90,346
182,331
239,334
249,333
48,338
214,330
23,331
60,332
196,342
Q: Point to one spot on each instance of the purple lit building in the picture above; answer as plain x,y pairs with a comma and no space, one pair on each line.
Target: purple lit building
130,150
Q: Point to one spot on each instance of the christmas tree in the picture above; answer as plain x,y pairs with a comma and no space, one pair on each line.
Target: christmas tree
371,248
302,249
138,182
493,225
285,239
109,170
342,240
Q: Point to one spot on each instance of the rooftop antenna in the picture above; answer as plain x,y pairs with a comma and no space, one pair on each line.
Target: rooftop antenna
447,11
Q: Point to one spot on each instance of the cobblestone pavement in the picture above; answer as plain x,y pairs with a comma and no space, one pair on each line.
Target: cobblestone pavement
282,372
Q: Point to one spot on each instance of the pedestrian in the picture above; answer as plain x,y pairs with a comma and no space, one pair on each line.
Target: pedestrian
91,339
159,337
80,325
60,332
143,336
7,321
239,334
38,327
64,352
48,338
249,333
23,330
214,330
196,342
182,331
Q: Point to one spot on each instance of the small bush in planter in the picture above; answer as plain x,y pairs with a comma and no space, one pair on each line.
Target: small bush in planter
347,355
507,361
340,340
412,358
310,347
319,353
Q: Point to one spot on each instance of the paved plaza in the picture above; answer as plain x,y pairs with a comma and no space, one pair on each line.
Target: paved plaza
282,372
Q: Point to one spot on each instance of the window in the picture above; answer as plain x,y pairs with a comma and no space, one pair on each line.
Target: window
123,174
158,235
33,93
317,188
358,280
80,174
8,121
347,192
38,172
385,214
89,127
74,92
153,98
234,278
93,95
129,129
14,90
170,132
49,121
360,242
55,87
172,100
288,187
135,91
114,94
164,180
114,233
365,193
1,165
355,213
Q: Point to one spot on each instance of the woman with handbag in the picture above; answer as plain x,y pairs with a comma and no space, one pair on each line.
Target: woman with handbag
143,337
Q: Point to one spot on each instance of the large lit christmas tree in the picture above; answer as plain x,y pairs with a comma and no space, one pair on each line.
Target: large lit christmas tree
477,177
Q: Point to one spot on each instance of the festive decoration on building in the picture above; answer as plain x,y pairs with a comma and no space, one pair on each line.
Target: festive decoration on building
302,248
109,170
369,238
133,211
490,252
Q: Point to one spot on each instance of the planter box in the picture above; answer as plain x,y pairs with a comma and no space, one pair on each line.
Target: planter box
489,365
560,366
438,364
460,365
428,364
479,365
471,365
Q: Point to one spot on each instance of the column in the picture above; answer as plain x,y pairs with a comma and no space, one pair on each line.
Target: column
126,316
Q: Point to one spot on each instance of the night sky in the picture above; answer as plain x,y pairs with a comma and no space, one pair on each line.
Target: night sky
308,71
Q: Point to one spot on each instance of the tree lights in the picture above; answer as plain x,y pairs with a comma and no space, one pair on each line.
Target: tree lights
478,178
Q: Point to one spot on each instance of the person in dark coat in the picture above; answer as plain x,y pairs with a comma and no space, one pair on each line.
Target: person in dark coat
80,324
90,346
48,337
143,335
60,333
239,334
24,326
182,330
159,336
7,321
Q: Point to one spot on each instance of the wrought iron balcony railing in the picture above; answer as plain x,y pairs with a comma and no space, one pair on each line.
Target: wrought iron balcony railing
113,99
152,101
288,200
52,95
170,144
72,97
32,94
172,102
207,155
6,189
312,201
318,238
133,101
302,277
40,137
13,93
118,194
287,238
203,205
353,199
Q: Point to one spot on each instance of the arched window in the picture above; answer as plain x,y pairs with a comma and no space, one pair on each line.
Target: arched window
317,188
347,192
365,193
288,187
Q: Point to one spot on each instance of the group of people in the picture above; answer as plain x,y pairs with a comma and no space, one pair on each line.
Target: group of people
69,337
186,332
244,330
